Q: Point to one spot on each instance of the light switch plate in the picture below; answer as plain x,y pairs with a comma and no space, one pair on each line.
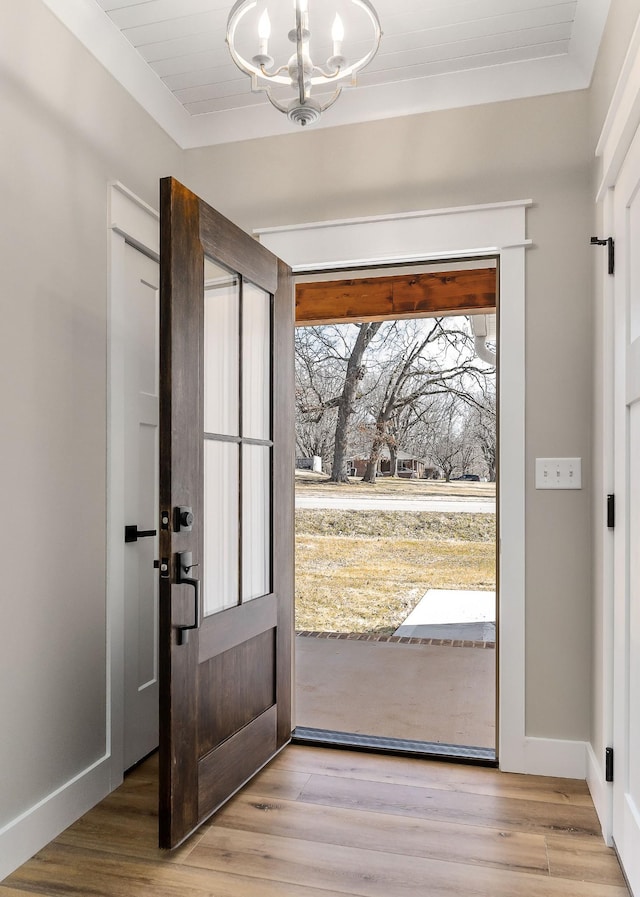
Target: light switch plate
558,473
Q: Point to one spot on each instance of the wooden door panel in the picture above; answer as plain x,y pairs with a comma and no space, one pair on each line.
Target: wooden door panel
232,627
225,243
225,684
227,769
283,492
234,688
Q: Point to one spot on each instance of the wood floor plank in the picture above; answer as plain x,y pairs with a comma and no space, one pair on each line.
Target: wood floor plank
450,806
433,774
588,859
59,871
369,873
126,822
111,830
272,783
394,834
14,892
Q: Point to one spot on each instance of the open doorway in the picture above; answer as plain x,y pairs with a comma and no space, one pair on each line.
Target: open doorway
396,525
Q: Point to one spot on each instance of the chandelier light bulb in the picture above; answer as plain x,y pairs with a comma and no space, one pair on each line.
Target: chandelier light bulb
337,32
264,33
337,35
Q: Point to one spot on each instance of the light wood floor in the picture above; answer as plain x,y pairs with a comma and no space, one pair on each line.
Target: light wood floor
325,823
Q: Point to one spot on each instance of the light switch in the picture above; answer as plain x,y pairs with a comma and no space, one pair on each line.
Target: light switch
558,473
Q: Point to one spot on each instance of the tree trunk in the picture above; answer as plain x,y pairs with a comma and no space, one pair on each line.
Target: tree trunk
345,405
372,466
374,455
393,460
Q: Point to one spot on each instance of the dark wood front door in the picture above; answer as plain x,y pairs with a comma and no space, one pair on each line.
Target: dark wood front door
226,509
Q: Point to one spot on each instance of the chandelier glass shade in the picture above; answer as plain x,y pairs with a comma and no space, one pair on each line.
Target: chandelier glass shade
290,48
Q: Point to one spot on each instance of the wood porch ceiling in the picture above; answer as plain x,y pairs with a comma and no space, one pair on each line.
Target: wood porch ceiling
400,296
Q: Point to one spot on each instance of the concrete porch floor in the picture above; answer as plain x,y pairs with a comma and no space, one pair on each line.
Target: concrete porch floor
433,693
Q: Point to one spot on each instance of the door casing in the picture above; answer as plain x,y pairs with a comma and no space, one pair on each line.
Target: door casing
495,230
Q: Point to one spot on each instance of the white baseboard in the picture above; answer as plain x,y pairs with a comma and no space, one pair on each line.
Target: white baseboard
24,836
555,757
546,757
601,794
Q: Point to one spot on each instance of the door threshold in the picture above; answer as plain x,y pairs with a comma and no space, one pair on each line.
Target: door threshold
430,750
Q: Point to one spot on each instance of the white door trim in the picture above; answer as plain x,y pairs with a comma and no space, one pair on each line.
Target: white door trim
497,229
623,118
601,790
130,220
626,817
618,132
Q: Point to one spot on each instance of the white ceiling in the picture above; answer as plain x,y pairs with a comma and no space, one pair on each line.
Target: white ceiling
435,54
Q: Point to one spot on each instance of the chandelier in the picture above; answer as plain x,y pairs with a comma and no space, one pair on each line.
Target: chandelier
347,40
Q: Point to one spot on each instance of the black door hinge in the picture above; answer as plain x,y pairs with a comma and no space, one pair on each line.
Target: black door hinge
611,511
608,764
611,253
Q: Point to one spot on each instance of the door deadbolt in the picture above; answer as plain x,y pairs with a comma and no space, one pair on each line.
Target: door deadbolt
183,519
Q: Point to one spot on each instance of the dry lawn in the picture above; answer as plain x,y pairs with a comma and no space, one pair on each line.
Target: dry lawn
308,483
364,571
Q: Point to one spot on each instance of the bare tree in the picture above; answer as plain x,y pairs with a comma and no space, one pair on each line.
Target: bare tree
319,375
445,439
385,385
485,432
330,368
429,358
354,375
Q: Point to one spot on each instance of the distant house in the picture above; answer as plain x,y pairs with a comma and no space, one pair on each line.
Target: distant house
409,467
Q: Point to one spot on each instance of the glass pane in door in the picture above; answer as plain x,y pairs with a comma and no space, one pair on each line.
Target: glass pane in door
256,521
256,362
221,526
221,350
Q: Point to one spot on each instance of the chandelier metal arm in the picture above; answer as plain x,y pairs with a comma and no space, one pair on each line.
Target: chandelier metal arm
328,74
332,100
276,103
299,55
263,71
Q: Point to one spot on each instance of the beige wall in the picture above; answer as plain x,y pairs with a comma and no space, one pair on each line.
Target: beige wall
67,130
538,149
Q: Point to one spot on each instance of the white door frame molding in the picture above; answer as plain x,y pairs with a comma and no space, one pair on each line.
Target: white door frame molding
435,235
622,120
130,220
618,132
601,790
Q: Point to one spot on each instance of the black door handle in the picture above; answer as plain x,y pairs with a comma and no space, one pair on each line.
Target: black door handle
132,533
185,565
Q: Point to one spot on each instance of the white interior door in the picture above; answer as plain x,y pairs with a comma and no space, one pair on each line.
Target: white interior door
626,787
141,506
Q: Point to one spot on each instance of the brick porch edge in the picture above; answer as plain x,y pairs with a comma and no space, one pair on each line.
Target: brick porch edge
402,639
